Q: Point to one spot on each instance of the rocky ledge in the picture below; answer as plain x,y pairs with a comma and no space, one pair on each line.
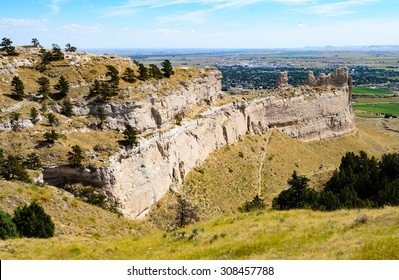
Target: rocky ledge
138,177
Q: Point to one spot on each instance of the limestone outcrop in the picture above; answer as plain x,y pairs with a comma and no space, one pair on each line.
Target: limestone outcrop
158,111
282,80
338,78
138,177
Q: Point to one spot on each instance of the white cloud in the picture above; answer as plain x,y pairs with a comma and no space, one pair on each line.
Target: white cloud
167,31
21,22
336,8
197,17
55,6
156,32
302,25
226,3
81,29
209,6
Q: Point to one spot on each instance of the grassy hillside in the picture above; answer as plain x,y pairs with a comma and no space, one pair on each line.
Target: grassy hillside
230,176
301,234
218,187
80,70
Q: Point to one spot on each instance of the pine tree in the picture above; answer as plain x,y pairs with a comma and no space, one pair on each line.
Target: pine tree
44,88
34,115
7,227
128,75
67,107
69,48
17,88
33,221
75,157
101,116
57,53
298,195
52,119
155,72
35,43
51,136
15,117
33,162
167,68
185,213
62,86
114,76
95,89
130,135
6,45
143,72
12,168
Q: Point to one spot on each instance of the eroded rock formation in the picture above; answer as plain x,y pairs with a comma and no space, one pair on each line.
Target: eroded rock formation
282,80
140,176
338,78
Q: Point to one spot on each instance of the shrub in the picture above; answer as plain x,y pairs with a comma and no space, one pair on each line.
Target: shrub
297,196
92,196
361,219
179,118
51,136
7,227
12,168
256,203
75,157
130,135
33,162
200,169
185,213
32,221
329,201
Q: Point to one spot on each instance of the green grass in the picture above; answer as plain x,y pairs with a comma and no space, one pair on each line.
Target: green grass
225,174
383,108
87,232
364,90
296,234
368,100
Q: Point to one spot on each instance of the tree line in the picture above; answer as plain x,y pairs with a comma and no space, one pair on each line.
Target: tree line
56,53
359,182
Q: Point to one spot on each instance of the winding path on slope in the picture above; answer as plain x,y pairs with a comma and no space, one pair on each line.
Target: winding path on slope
269,134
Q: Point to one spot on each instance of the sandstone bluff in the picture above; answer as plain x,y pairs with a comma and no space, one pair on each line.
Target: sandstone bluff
138,177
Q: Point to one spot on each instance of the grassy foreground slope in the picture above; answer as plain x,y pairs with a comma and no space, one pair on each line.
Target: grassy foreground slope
75,222
300,234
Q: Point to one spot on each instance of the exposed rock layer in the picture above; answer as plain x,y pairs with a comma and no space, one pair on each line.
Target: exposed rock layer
140,176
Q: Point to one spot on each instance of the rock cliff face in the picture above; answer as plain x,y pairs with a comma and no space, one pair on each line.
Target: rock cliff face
159,111
140,176
282,80
338,78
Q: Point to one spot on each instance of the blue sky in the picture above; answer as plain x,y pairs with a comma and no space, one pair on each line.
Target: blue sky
201,23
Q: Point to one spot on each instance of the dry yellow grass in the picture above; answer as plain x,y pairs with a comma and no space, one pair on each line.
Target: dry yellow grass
226,180
297,234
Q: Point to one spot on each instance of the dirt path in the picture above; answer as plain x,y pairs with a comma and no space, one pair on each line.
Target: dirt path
269,134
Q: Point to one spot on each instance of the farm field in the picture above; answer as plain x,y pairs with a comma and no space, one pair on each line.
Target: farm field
382,108
365,90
